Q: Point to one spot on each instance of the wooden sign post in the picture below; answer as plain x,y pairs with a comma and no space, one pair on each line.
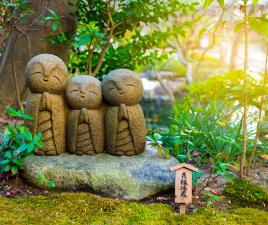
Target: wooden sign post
183,184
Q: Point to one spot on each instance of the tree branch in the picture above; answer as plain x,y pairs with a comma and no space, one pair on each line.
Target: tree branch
163,85
15,75
212,43
4,54
188,65
28,40
108,40
89,61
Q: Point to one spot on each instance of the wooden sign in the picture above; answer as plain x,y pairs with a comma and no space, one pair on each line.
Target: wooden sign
183,184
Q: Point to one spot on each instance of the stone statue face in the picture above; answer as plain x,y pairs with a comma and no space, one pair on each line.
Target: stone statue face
84,91
122,86
46,73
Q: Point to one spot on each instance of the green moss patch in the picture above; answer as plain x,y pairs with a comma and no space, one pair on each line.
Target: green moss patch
244,193
83,208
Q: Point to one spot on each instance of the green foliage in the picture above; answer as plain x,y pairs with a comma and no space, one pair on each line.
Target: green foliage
54,19
229,86
207,3
203,132
17,143
114,34
244,193
210,199
207,127
259,25
11,11
14,10
44,182
196,176
172,65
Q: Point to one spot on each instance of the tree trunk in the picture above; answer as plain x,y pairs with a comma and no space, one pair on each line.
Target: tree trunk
234,51
245,90
37,34
187,64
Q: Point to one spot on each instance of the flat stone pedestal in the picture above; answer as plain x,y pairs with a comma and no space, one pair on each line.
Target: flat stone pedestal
132,178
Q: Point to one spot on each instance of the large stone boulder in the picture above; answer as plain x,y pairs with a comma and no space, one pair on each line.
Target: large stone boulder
132,178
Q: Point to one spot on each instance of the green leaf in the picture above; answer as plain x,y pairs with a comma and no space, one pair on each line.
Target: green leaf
27,135
51,184
17,162
54,26
221,3
207,3
12,112
7,168
167,155
39,144
197,175
4,162
159,151
8,155
53,13
14,170
22,148
157,136
259,25
37,138
30,147
238,27
255,2
83,40
27,117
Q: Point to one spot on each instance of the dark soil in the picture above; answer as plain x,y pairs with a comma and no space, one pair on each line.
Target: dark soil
15,186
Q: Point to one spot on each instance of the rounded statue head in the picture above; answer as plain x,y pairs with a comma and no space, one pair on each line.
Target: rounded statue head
46,73
122,86
84,91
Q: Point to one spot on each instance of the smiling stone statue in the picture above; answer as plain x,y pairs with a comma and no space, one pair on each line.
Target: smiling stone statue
85,125
124,123
46,77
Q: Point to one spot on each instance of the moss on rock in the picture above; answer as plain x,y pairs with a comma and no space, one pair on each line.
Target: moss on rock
83,208
244,193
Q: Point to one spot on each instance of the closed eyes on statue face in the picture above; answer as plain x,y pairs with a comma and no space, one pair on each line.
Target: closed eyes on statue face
46,77
84,95
123,91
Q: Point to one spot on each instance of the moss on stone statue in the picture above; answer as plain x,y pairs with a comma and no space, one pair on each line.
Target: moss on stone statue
244,193
82,208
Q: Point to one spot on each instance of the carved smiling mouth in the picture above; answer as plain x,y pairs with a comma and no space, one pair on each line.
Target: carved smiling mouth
45,79
121,92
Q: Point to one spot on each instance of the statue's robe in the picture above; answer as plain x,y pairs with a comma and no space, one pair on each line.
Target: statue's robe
49,117
125,130
85,131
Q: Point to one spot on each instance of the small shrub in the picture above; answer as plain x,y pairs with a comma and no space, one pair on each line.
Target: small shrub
245,193
205,133
17,143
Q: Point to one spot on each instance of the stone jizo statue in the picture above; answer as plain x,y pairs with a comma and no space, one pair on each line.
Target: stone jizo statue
85,125
125,127
46,76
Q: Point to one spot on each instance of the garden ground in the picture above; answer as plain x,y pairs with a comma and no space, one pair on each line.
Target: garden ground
82,208
240,203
